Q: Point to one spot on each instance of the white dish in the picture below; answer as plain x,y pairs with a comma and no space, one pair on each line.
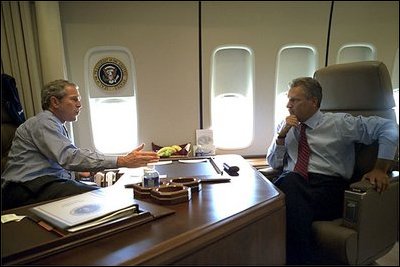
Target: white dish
163,162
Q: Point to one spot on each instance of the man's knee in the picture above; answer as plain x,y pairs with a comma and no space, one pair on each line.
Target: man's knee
289,182
14,195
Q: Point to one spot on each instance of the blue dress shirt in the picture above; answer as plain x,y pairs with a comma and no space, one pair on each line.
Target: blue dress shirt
331,137
41,147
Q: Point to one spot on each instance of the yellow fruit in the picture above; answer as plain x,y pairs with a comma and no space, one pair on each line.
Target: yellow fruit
162,151
166,151
177,148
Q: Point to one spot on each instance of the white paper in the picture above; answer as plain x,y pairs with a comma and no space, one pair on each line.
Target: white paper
192,160
11,218
204,137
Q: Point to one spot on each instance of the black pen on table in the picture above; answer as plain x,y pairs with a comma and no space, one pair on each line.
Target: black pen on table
215,166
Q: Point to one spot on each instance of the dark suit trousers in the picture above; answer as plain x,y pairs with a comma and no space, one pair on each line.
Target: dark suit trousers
318,198
15,194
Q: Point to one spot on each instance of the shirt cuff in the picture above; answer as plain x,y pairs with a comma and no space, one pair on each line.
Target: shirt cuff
387,151
110,162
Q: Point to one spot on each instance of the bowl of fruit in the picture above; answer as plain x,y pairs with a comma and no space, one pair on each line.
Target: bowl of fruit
172,151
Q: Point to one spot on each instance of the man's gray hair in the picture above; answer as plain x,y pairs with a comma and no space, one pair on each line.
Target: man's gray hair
311,87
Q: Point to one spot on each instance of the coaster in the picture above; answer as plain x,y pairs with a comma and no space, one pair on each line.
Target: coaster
140,192
171,194
193,183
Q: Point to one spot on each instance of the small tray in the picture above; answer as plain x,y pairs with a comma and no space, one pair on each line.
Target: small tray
192,182
140,192
170,194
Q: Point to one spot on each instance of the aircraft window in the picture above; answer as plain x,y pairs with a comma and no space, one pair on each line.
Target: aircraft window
293,61
396,100
355,52
395,83
232,97
231,121
109,119
111,84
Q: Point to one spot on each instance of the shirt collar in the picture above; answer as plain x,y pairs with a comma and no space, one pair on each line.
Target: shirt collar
54,116
313,121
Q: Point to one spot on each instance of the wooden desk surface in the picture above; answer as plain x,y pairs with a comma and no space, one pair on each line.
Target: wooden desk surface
239,222
258,162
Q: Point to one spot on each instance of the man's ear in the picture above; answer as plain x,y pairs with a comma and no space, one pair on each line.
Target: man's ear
315,102
54,101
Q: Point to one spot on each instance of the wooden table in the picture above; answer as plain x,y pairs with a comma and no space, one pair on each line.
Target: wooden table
241,222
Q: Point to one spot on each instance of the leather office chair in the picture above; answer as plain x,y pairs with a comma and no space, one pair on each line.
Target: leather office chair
8,128
12,115
369,226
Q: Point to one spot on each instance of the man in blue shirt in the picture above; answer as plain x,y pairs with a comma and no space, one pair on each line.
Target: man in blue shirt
318,193
42,156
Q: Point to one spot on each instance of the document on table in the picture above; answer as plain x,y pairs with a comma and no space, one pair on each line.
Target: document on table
192,160
88,209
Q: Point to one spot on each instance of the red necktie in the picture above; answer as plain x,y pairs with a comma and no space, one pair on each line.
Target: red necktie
303,153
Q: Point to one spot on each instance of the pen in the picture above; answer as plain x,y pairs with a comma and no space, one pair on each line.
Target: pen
215,166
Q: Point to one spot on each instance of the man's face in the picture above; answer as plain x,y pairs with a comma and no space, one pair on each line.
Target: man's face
300,105
67,108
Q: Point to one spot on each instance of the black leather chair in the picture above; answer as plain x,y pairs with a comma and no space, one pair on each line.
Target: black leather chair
8,128
12,115
369,226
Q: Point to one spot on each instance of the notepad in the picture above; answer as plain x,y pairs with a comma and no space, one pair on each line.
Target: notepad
86,210
192,160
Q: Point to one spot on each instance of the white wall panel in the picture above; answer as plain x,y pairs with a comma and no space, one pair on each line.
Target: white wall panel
265,27
163,39
366,22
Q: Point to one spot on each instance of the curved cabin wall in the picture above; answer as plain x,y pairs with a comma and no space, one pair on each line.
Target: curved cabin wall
163,40
172,61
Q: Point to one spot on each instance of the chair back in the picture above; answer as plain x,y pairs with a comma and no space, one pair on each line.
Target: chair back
8,128
359,88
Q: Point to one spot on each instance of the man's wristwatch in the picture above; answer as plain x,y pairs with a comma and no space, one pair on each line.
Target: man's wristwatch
281,137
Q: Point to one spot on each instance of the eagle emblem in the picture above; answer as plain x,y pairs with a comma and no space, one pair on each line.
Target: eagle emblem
110,74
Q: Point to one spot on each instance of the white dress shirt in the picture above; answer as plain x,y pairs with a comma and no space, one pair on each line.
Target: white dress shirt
41,147
331,137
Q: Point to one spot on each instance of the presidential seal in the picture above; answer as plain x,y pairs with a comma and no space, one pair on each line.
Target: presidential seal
85,209
110,74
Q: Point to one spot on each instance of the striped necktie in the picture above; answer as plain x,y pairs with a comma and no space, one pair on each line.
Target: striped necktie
67,135
65,131
303,153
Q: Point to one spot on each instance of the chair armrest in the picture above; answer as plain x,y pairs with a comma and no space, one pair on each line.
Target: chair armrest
335,244
270,173
364,185
374,216
368,229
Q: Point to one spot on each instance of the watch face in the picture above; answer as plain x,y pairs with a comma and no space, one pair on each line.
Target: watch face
110,74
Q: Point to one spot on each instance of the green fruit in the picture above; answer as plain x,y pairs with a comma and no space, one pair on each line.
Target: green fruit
166,151
177,148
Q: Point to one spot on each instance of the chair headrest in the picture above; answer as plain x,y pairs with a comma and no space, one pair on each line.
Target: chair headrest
356,86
